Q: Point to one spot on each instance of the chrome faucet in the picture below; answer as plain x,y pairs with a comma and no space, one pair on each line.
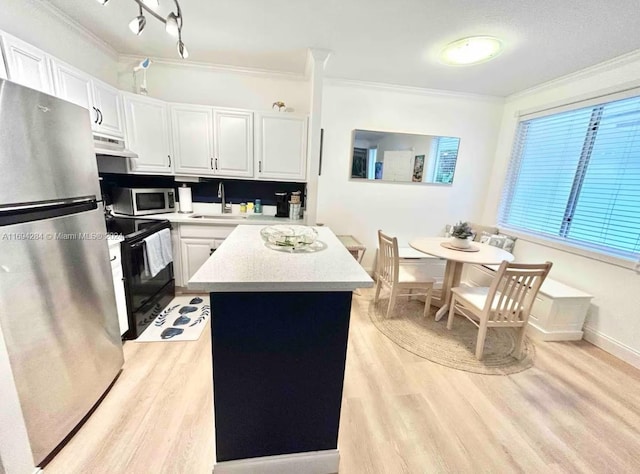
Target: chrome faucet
225,208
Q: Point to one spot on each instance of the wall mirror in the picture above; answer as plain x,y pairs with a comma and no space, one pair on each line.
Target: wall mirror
403,157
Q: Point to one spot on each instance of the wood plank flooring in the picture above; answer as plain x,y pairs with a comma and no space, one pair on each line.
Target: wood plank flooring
577,410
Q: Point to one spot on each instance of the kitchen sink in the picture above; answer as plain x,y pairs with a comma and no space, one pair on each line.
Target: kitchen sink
217,216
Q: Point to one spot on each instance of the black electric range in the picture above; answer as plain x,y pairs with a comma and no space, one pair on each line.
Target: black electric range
146,295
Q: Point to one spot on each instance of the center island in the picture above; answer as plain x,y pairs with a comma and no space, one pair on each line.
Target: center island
279,331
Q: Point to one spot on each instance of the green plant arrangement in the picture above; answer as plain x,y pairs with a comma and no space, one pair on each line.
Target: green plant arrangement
462,230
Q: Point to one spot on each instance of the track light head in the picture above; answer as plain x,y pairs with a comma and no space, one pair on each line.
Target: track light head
172,26
137,24
182,50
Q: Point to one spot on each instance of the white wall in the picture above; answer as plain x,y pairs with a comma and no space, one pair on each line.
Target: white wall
34,23
193,84
403,210
614,318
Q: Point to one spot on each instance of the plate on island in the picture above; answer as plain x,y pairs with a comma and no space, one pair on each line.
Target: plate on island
291,238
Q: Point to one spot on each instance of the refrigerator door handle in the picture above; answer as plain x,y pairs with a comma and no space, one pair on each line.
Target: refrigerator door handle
38,205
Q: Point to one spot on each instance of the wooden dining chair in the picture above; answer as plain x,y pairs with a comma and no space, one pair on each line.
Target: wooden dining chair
506,303
390,273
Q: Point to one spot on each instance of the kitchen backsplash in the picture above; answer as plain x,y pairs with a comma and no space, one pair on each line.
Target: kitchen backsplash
236,190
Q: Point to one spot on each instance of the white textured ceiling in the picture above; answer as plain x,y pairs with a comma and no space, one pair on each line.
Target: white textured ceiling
391,41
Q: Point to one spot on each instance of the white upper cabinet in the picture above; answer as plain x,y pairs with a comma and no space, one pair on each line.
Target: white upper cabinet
233,143
282,147
108,101
148,134
27,65
74,86
192,128
103,101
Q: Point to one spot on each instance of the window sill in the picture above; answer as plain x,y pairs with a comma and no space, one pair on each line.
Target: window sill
564,246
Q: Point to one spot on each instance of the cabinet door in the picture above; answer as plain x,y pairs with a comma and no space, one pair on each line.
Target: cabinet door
233,143
192,128
282,147
194,253
74,86
148,133
27,65
108,101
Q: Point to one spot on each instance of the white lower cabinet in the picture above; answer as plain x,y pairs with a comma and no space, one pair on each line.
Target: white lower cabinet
194,253
118,286
197,244
558,313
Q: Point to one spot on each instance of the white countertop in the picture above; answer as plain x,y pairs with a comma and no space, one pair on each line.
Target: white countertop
244,263
228,219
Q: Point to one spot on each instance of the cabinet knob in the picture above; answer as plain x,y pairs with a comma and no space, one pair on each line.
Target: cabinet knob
100,113
169,156
260,166
97,115
211,251
114,257
212,163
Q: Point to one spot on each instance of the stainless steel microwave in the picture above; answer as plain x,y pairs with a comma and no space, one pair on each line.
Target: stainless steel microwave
143,201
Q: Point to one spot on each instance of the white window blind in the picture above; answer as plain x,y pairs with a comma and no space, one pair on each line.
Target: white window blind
575,176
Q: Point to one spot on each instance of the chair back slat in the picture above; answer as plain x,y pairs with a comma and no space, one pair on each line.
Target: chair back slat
513,291
388,260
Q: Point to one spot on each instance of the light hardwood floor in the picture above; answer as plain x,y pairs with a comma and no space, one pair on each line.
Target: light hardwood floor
577,410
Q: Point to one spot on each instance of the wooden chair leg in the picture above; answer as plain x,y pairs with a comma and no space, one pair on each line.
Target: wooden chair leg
452,312
392,301
482,334
378,287
520,344
427,302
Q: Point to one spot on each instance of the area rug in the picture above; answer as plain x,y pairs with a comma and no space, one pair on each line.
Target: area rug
454,348
182,320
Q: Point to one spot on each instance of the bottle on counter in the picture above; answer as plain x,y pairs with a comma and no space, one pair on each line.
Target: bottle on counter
257,208
243,208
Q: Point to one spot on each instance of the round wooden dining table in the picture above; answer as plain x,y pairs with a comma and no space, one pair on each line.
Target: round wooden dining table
485,255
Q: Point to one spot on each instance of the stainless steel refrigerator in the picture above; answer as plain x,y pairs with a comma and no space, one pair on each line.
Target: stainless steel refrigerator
57,305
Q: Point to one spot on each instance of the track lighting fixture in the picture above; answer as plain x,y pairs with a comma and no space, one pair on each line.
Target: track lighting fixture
137,24
172,23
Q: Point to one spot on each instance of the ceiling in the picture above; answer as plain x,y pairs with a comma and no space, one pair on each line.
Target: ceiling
390,41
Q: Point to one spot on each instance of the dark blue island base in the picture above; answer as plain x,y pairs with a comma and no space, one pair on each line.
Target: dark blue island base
278,371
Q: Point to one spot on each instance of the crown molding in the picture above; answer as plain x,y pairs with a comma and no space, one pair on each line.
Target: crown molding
181,63
383,86
73,25
605,66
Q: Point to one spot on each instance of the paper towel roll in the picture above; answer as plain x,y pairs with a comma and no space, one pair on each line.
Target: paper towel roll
184,196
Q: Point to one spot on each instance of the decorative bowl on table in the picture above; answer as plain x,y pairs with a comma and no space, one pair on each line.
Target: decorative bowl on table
289,237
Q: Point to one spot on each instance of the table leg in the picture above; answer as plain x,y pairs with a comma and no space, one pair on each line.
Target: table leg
452,275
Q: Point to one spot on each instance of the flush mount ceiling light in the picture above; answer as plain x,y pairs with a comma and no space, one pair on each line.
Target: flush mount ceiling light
172,23
472,50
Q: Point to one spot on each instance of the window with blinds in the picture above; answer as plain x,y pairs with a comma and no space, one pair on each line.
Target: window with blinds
575,176
446,157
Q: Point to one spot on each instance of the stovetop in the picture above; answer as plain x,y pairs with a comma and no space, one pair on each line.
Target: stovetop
131,228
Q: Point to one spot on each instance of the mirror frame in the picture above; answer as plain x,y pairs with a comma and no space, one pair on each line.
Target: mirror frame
418,183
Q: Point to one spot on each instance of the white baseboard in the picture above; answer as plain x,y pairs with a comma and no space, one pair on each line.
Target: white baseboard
541,335
314,462
606,343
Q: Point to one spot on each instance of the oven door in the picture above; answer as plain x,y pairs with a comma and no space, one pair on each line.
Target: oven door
140,287
152,202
